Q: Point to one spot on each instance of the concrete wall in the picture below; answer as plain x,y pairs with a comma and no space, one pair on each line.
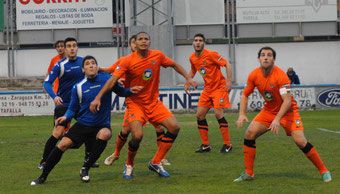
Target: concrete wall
314,62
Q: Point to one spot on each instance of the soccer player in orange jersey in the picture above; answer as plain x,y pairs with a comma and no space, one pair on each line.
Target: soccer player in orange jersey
280,109
215,92
59,46
124,133
142,68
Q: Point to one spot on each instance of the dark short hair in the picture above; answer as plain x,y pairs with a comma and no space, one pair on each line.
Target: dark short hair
142,33
58,42
87,58
200,35
266,48
69,39
132,37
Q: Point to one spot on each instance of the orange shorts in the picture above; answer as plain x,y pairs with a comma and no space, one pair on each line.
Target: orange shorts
127,124
156,115
291,121
216,99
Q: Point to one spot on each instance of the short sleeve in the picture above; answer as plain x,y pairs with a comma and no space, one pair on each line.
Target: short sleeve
218,59
113,67
250,85
165,60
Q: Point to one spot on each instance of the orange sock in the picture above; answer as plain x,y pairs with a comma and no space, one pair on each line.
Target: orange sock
314,157
160,135
164,147
224,128
121,140
203,129
131,158
249,152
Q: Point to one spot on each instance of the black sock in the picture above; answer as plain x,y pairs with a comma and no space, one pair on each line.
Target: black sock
97,150
49,146
51,161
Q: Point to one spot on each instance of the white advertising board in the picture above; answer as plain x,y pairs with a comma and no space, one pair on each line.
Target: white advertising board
38,103
61,14
275,11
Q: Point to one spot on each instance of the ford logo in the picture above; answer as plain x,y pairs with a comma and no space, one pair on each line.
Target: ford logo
329,98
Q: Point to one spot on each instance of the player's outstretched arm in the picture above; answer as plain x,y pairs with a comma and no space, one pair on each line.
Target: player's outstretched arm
189,81
287,101
242,114
95,104
104,69
229,77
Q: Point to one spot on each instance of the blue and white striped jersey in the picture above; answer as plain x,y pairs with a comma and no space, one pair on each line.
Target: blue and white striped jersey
84,92
69,73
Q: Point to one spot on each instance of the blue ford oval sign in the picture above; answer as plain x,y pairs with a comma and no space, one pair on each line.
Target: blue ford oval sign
330,98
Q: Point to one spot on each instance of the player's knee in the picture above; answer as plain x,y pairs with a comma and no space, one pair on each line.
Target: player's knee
250,134
126,130
200,117
137,137
105,134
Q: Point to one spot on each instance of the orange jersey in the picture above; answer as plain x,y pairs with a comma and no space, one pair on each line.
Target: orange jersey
143,72
269,87
209,66
54,61
113,67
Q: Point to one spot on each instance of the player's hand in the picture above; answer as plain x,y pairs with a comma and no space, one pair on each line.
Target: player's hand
275,126
188,83
240,121
136,89
228,86
95,105
58,101
60,120
121,81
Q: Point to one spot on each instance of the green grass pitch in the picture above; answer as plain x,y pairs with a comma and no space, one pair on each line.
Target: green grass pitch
280,167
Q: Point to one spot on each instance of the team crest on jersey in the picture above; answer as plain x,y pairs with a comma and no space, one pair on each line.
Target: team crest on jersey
271,85
118,67
221,100
268,96
147,74
153,62
297,122
203,72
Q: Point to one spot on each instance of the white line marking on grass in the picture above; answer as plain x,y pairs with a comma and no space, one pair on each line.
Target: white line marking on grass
321,129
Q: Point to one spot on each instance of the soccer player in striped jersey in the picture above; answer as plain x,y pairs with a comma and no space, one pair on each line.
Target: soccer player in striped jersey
280,109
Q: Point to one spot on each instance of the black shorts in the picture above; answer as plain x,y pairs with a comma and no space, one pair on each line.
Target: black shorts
59,112
80,133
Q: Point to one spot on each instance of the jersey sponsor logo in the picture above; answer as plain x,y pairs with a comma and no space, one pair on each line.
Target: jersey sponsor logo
147,74
86,91
75,67
96,86
118,67
268,96
203,72
69,70
329,98
298,123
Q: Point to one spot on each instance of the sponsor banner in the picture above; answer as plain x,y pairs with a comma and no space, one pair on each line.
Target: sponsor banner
328,98
275,11
26,104
38,103
61,14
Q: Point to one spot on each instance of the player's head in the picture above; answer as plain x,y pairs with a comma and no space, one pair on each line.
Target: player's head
71,48
199,42
59,46
266,57
132,43
290,71
90,66
142,41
